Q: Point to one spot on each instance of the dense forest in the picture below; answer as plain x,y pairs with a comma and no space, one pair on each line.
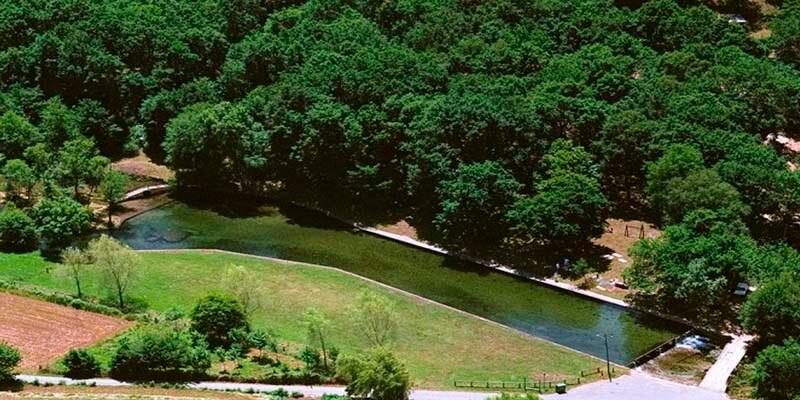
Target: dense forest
521,123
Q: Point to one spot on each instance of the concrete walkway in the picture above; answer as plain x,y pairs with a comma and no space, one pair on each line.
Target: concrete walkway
637,386
716,378
144,191
316,391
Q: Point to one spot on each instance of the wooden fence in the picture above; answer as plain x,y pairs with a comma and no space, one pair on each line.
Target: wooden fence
539,385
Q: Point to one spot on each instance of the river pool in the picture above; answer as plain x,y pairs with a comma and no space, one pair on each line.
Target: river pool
294,233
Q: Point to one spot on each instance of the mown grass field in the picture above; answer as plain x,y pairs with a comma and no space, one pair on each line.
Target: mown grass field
438,344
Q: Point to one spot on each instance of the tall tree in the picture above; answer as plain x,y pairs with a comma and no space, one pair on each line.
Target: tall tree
377,374
75,262
785,26
218,318
20,180
568,210
117,263
775,375
75,162
245,287
317,326
374,317
112,190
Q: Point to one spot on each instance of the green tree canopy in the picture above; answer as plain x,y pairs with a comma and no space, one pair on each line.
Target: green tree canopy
60,220
217,318
773,311
567,210
17,230
159,353
377,374
775,375
9,360
474,200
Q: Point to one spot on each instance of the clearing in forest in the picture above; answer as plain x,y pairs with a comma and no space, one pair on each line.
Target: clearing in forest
44,331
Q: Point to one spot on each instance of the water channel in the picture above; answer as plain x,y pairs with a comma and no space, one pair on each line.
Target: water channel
298,234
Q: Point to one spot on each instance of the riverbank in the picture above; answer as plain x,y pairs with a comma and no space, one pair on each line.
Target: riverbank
438,343
295,233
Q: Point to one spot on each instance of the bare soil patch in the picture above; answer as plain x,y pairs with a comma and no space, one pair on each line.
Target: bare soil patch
682,365
45,331
401,227
617,241
142,166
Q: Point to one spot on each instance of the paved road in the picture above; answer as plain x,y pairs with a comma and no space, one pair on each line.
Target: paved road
716,378
316,391
638,386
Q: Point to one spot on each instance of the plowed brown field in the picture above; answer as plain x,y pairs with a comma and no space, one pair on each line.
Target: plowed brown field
44,331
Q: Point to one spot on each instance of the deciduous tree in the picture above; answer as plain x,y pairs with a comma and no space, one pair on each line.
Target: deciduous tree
117,263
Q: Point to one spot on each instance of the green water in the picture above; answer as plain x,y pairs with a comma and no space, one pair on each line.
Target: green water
296,234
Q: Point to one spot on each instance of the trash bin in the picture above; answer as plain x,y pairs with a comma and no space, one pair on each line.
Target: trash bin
561,388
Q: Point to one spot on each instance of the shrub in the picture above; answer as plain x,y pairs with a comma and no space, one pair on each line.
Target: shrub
81,364
9,359
311,358
377,375
160,353
17,230
261,339
220,319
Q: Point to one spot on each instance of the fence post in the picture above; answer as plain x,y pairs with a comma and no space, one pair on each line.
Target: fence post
525,384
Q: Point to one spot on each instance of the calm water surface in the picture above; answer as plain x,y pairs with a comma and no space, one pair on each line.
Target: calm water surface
296,234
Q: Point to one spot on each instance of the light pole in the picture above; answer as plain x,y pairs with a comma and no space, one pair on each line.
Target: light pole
608,359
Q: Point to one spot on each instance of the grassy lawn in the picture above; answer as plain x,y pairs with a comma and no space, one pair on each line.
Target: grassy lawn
437,344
